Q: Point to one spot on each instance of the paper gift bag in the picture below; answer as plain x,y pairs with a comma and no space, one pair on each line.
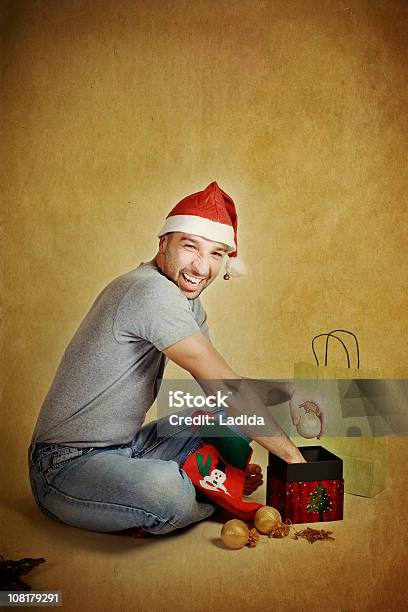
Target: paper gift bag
355,429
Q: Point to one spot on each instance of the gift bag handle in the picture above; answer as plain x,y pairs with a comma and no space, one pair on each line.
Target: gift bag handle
331,334
327,336
346,332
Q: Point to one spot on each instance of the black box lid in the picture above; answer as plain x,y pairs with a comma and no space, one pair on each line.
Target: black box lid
321,465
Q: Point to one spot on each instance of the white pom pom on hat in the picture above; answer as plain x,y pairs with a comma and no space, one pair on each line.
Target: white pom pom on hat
210,213
235,267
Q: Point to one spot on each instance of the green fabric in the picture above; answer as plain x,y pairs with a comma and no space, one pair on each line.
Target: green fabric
205,468
233,449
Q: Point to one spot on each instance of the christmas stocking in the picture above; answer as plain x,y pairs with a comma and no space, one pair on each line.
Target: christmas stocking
218,468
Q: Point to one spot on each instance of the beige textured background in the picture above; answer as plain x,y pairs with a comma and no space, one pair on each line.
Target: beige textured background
114,110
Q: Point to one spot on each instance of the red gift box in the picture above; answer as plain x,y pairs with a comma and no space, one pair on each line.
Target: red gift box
308,492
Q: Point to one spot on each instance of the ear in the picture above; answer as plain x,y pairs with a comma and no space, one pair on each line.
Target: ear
163,243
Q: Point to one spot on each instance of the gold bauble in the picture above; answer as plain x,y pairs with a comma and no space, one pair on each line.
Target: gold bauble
235,534
266,519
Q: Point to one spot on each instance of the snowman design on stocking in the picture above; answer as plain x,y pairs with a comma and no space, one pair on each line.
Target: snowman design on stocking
215,480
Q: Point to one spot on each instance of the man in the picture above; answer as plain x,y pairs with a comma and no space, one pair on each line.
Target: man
92,464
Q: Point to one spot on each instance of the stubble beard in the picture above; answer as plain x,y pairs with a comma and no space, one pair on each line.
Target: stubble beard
173,273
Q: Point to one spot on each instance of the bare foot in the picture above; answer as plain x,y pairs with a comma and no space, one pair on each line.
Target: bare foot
253,478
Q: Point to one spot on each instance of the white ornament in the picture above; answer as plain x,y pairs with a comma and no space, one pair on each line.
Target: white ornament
309,424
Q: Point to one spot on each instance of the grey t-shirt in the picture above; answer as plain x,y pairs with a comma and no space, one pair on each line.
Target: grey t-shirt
110,373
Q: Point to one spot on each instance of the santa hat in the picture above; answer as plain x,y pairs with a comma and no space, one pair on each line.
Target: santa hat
211,214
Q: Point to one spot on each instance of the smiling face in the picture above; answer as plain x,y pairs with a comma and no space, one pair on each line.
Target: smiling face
190,261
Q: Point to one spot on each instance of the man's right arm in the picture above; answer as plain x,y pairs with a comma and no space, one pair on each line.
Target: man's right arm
199,357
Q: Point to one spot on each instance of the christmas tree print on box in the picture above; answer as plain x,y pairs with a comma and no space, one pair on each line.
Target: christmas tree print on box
319,501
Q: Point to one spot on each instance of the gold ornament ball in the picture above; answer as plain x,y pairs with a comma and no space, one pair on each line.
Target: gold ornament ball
266,519
235,534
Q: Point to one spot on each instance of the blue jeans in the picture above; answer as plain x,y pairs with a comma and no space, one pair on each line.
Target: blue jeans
118,487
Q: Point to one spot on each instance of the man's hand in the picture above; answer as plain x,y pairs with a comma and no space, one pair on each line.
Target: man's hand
302,394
